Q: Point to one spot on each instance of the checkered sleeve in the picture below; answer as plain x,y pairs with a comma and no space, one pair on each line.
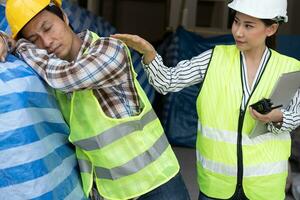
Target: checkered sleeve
99,64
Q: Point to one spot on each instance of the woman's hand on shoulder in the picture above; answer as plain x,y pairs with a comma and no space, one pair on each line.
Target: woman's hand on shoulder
139,44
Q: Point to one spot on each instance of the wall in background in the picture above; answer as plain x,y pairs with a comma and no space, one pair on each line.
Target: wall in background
151,19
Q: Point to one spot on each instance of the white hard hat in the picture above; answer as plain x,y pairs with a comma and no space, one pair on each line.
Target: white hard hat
262,9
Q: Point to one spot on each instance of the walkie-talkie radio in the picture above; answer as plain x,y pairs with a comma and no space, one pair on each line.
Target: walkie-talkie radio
264,106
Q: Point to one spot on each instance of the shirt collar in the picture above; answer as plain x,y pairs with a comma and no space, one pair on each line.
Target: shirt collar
87,38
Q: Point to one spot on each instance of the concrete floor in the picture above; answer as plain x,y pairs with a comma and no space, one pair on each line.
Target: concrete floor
187,161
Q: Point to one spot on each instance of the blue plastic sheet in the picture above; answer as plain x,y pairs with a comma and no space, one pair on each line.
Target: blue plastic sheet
179,116
289,45
36,159
3,23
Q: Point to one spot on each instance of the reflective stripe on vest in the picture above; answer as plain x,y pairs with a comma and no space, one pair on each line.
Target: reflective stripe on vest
115,133
264,158
264,169
130,167
230,136
129,156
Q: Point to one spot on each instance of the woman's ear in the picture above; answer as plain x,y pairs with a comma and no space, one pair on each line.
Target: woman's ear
271,30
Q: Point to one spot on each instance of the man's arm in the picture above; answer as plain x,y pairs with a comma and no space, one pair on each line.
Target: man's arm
102,65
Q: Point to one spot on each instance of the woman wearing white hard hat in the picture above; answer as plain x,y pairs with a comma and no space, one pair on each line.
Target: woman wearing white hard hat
230,164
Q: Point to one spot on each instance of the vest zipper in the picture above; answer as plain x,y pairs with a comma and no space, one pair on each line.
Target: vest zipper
240,150
239,192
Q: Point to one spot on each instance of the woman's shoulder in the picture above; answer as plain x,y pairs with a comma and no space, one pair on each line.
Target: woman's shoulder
283,56
226,49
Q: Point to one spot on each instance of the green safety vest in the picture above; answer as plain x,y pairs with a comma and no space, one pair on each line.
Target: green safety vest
126,157
264,158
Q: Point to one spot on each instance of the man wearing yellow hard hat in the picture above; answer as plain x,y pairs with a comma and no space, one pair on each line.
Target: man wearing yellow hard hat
120,143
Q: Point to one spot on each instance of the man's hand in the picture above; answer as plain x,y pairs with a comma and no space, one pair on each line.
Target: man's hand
273,116
6,44
139,44
3,49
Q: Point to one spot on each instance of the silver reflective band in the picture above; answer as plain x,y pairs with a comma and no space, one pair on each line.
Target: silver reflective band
263,169
135,164
216,167
85,166
231,136
115,133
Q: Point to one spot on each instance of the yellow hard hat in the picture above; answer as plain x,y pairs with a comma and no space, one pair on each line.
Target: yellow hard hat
20,12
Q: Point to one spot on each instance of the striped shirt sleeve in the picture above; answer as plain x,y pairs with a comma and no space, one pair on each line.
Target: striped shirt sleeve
291,117
173,79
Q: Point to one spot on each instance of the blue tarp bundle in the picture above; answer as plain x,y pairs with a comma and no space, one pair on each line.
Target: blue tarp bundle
36,159
3,23
179,116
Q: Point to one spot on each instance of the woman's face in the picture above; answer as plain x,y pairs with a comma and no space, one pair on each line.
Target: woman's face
250,33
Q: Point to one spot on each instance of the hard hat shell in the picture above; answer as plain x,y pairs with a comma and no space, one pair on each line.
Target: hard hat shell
20,12
262,9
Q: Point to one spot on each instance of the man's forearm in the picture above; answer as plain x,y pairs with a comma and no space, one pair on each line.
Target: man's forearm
93,69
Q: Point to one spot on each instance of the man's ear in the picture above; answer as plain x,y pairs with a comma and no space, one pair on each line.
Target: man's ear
271,30
66,19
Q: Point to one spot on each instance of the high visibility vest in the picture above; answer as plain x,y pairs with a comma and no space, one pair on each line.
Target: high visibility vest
126,157
264,158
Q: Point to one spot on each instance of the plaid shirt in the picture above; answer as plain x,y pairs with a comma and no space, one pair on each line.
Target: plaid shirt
103,66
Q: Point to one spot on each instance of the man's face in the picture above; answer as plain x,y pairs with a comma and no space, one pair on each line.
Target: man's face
48,31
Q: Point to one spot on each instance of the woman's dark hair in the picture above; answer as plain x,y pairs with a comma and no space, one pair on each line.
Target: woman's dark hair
270,41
